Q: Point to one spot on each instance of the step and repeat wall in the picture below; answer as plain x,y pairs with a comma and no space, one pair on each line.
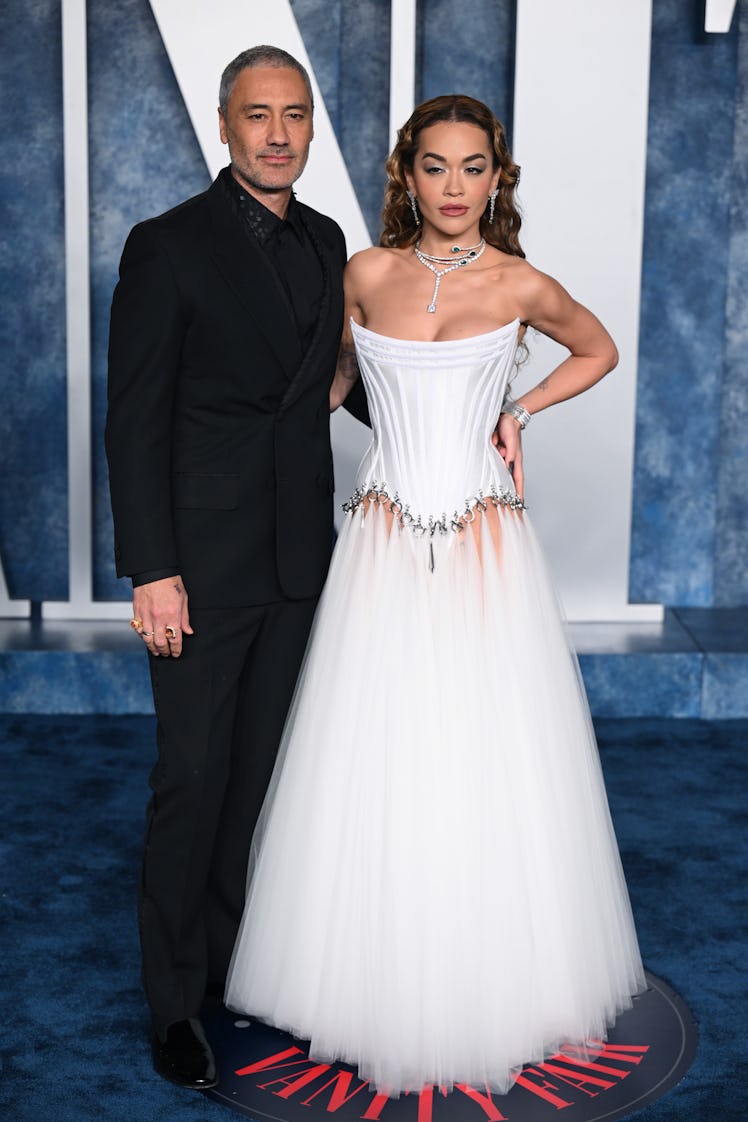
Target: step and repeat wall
629,118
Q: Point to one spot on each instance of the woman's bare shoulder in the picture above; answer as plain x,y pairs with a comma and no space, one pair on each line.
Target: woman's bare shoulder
522,272
368,270
535,289
372,261
534,279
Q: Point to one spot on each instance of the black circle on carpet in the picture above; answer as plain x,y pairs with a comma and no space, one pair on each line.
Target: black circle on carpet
266,1073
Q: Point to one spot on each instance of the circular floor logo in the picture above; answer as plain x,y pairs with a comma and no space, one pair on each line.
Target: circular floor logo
265,1073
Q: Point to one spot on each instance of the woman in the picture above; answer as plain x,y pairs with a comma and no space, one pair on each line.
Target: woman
435,890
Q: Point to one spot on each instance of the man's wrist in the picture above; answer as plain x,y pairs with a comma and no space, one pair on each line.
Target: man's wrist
150,575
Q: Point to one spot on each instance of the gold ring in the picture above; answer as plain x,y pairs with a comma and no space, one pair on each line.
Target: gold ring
137,625
145,634
171,633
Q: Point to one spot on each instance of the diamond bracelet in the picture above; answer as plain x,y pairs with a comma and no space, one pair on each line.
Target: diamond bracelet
514,409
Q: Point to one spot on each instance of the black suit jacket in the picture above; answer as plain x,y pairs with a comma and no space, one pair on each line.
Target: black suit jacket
217,430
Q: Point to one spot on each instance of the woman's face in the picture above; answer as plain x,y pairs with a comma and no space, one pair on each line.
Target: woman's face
452,177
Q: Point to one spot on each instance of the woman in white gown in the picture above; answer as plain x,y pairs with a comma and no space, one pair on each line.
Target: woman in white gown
435,893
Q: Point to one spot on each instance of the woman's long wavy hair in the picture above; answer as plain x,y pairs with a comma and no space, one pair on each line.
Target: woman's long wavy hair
400,228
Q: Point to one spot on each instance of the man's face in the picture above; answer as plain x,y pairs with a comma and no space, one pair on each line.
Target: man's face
268,128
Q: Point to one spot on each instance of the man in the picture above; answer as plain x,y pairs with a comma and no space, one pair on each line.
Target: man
224,335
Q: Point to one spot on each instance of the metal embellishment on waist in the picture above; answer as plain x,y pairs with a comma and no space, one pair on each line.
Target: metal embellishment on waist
422,524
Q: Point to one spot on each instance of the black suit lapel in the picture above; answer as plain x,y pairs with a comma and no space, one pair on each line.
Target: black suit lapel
310,357
254,283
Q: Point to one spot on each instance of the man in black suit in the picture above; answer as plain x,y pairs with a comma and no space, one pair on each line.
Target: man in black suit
224,335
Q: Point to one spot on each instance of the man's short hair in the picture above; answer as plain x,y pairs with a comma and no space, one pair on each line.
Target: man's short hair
263,55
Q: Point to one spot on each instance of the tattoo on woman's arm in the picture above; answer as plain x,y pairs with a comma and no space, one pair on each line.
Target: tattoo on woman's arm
348,363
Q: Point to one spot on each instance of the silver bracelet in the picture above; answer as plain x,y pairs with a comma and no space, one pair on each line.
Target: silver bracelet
514,409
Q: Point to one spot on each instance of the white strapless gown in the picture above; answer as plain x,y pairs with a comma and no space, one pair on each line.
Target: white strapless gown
435,892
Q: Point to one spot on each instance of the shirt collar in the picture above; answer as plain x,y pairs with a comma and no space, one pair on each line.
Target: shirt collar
263,222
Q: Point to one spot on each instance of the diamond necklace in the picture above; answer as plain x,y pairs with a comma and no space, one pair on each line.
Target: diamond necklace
468,256
451,257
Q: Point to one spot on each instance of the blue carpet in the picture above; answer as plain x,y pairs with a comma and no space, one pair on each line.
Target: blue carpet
74,790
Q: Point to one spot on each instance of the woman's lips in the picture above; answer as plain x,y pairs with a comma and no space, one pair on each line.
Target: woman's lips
453,211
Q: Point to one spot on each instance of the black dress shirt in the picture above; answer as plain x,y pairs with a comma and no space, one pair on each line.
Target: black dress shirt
289,252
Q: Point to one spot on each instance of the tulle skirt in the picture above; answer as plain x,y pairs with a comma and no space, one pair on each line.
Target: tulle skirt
435,893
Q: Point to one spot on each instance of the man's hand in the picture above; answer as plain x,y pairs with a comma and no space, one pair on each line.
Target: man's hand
507,439
162,608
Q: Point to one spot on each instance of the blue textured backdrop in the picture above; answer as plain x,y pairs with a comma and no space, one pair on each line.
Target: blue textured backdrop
144,159
690,511
693,90
731,566
33,439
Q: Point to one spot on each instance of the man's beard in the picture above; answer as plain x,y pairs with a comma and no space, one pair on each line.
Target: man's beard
252,180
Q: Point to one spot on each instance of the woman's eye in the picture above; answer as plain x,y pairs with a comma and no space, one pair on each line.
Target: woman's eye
474,171
434,170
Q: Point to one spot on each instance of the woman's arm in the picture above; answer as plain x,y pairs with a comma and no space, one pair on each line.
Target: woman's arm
347,372
550,309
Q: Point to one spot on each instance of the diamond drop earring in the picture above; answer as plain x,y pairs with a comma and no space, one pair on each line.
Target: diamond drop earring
492,205
414,208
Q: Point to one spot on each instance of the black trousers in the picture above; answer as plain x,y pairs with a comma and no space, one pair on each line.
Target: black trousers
220,711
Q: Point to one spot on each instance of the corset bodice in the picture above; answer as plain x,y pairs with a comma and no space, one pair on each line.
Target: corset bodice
433,408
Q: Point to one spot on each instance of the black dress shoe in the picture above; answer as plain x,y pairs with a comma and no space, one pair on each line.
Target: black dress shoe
185,1057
